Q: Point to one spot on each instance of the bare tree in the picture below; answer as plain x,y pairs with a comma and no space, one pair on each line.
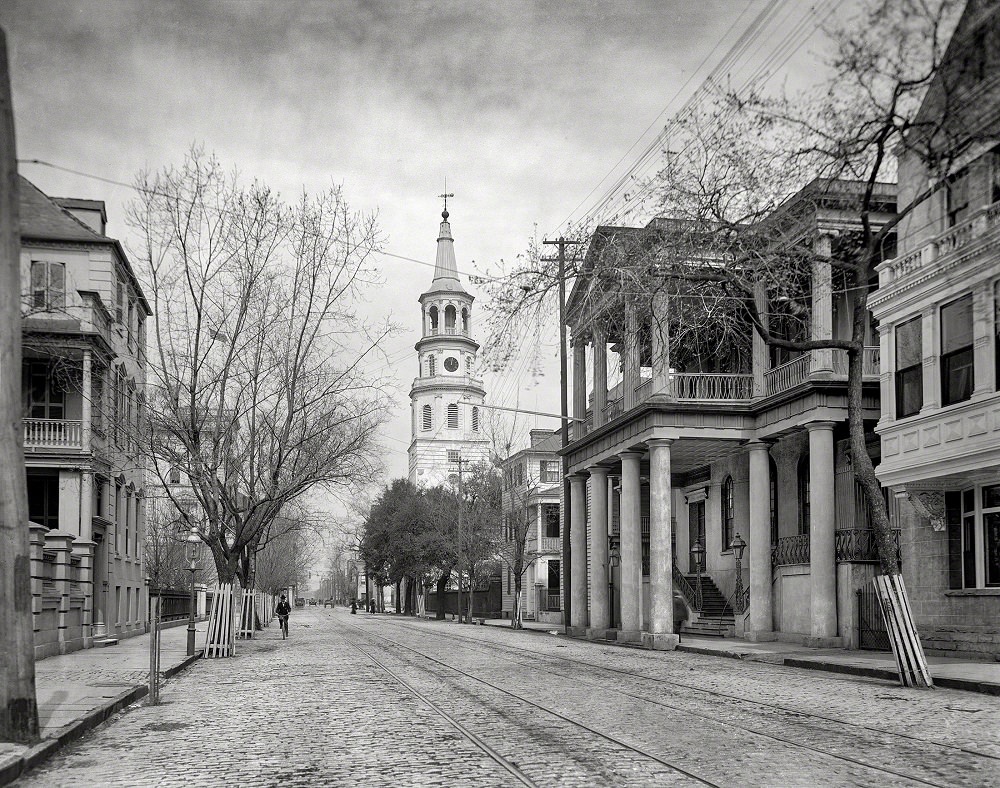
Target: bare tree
257,392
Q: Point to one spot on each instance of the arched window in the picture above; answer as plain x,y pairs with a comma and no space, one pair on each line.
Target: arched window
449,319
465,322
773,476
453,416
475,419
728,512
431,367
433,312
803,477
427,421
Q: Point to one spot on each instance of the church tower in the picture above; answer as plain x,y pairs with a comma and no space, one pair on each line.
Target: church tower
445,399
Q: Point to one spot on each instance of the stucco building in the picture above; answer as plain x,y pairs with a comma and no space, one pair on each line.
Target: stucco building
83,377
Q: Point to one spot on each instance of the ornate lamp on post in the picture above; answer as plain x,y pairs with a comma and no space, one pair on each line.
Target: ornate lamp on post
193,540
738,546
698,551
614,559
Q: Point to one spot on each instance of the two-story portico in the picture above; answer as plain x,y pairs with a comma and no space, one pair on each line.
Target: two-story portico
691,456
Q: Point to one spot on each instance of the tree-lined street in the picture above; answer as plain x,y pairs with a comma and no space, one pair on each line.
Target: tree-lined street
385,700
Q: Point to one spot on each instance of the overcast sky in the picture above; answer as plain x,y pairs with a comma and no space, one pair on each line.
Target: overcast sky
523,106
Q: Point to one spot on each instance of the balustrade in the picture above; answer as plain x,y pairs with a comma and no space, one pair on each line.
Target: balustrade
711,386
790,550
682,585
858,545
53,434
787,375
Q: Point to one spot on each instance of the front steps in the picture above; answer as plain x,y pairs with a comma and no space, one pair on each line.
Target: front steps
716,618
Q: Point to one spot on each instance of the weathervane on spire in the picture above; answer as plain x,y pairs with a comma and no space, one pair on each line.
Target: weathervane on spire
446,195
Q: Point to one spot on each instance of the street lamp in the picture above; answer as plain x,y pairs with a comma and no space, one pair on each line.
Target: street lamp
698,551
738,546
193,540
614,560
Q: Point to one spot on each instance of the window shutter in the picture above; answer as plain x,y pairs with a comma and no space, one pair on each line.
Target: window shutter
57,285
953,517
38,277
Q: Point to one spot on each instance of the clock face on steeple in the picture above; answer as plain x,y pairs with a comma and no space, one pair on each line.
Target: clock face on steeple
451,363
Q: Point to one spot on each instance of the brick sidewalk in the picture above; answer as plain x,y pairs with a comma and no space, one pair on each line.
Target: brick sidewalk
78,691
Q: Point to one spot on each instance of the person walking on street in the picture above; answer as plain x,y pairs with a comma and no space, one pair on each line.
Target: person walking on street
283,610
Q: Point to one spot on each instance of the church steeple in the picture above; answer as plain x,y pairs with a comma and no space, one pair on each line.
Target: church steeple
445,267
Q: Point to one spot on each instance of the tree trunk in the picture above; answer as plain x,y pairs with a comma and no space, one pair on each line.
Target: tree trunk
442,586
399,594
18,704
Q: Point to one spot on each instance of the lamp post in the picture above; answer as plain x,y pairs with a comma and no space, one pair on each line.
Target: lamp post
614,560
698,551
738,546
193,540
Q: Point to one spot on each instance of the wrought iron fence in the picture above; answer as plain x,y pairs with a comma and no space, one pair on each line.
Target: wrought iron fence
872,633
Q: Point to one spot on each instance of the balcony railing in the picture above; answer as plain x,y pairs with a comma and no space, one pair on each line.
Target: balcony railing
977,225
53,434
708,386
447,331
858,545
551,544
552,603
643,390
787,375
791,550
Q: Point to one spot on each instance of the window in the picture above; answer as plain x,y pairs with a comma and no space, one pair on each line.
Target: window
465,321
449,319
550,513
453,416
773,484
957,197
174,476
433,312
973,518
46,398
427,421
130,324
909,368
475,418
803,478
549,471
519,473
120,303
48,285
728,512
431,366
956,351
43,499
454,455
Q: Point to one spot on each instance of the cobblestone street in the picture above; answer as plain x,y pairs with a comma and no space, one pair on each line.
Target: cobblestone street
361,700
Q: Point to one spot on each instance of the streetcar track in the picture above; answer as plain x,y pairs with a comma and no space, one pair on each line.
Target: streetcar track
720,694
745,728
493,755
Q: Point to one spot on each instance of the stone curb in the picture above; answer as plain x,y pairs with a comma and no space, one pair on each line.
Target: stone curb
74,730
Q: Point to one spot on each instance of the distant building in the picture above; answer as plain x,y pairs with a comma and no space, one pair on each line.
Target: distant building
533,480
445,398
938,308
83,377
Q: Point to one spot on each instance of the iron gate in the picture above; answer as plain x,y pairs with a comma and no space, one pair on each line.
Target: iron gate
871,626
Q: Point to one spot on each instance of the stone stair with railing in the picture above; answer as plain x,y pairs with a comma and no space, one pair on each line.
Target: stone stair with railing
716,618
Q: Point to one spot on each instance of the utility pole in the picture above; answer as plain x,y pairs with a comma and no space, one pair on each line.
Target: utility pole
18,704
564,414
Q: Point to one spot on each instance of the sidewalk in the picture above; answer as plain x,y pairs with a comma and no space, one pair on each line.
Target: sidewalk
78,691
963,674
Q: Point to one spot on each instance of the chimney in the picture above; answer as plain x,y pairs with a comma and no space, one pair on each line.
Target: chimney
539,435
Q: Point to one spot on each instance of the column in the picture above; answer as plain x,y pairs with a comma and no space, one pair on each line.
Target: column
887,365
822,536
760,359
929,343
578,554
661,577
630,362
982,333
600,610
821,361
761,619
631,539
600,343
61,543
539,527
86,417
85,550
660,336
579,386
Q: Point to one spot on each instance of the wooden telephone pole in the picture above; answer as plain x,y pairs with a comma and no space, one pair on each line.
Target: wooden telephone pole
18,704
567,511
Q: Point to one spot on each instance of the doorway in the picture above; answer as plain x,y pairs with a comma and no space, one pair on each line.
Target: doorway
696,531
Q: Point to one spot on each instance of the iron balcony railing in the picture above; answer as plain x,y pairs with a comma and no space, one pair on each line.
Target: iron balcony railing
789,550
858,545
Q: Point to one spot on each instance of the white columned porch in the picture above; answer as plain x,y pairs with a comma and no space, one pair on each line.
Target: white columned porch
600,343
822,535
661,579
761,623
600,608
578,554
821,361
631,540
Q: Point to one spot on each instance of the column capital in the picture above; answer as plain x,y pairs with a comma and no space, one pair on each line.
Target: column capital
630,454
577,478
820,425
659,442
598,470
759,445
